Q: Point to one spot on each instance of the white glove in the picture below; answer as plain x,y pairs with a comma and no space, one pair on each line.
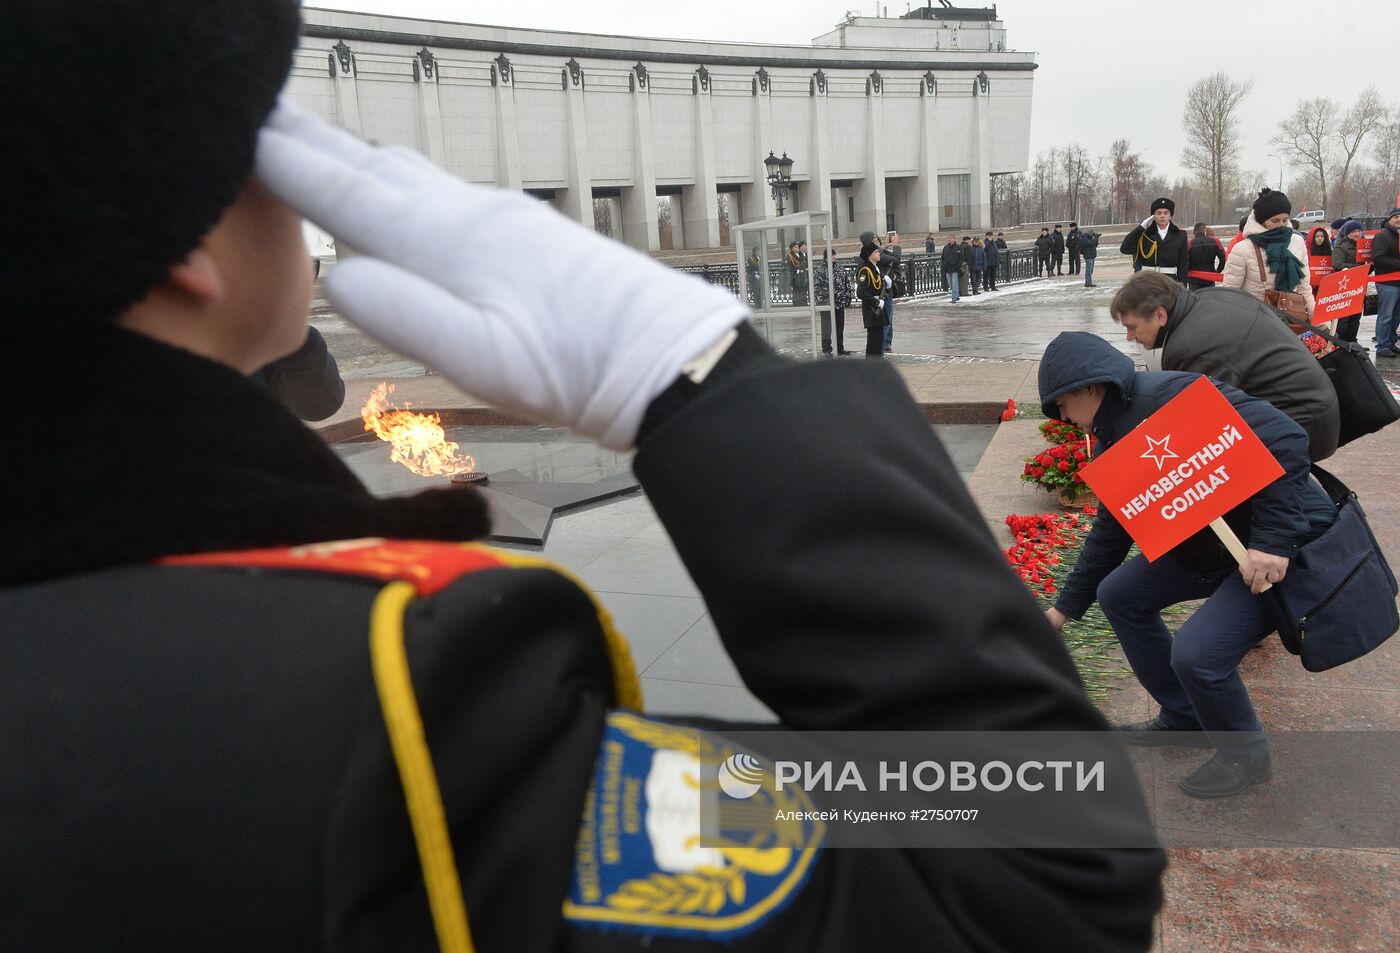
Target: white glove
1148,221
584,334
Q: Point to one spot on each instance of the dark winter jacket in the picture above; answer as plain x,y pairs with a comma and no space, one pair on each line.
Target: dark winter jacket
1385,254
839,279
979,258
1233,337
1205,254
1043,246
306,381
1344,253
1001,244
197,752
1150,250
1072,242
1278,519
1057,242
952,257
1089,244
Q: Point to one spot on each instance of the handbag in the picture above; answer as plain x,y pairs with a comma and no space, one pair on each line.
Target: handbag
1292,304
1337,601
1363,399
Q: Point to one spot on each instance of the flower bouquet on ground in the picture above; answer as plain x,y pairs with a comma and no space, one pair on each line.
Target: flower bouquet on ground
1057,468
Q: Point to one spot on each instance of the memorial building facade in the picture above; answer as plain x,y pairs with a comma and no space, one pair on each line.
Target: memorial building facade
890,122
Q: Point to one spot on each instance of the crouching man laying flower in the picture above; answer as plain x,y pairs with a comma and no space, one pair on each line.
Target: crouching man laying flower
1194,677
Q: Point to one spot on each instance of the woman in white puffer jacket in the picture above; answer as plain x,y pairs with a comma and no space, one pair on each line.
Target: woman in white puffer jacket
1268,229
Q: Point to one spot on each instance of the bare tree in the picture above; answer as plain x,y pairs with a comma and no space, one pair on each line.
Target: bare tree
1367,114
1386,151
1130,174
1306,138
602,217
1079,177
1212,123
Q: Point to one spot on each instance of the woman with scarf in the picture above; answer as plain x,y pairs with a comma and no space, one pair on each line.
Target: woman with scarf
870,289
1284,252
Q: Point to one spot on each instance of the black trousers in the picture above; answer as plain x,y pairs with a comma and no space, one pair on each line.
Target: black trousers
1074,263
1042,263
1057,260
989,278
1347,327
875,342
840,329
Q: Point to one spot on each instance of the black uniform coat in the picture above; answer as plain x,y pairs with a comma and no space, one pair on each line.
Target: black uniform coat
872,287
1148,248
194,758
1278,519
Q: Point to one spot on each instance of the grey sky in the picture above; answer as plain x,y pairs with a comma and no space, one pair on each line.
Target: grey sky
1108,70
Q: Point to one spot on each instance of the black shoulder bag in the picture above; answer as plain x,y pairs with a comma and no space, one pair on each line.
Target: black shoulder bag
1363,399
1337,601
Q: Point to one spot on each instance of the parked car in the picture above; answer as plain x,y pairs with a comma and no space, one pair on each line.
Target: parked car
1310,217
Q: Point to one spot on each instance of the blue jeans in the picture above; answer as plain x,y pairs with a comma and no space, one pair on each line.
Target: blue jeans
1195,676
1387,310
952,278
889,328
1088,271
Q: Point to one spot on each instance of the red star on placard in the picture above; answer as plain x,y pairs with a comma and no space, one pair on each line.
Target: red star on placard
1158,451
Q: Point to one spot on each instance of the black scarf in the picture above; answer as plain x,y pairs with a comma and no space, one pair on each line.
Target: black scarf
121,449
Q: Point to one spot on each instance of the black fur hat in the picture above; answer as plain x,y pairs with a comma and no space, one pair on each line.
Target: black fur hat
129,128
1165,203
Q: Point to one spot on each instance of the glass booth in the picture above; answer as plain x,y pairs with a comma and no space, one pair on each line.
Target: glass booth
788,292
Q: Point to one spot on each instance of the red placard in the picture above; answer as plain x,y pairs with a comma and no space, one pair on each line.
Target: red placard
1363,246
1189,463
1318,268
1341,295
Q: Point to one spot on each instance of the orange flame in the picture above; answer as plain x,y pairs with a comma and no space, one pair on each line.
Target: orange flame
415,440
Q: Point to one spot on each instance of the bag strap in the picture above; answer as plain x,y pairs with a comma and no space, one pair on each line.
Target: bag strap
1335,488
1259,256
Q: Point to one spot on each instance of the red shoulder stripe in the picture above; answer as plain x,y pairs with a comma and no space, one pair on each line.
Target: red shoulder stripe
429,564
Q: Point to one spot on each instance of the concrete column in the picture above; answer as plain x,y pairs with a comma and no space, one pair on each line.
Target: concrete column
425,76
756,197
981,184
870,190
700,201
347,97
639,227
576,199
819,165
922,190
507,128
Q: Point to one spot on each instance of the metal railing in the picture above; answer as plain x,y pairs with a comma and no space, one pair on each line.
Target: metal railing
922,273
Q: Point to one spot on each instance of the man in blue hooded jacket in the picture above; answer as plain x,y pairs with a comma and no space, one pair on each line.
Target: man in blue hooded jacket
1194,677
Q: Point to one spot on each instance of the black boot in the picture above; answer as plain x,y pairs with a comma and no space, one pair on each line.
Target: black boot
1221,777
1153,732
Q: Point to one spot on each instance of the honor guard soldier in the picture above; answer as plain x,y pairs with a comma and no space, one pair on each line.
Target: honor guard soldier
250,706
1158,244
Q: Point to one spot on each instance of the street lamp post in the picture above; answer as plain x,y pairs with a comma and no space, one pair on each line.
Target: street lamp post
1280,169
779,177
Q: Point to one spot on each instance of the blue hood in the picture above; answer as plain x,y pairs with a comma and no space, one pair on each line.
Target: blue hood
1077,359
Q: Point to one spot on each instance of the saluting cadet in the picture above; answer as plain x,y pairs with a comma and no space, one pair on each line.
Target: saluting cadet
250,706
1158,244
